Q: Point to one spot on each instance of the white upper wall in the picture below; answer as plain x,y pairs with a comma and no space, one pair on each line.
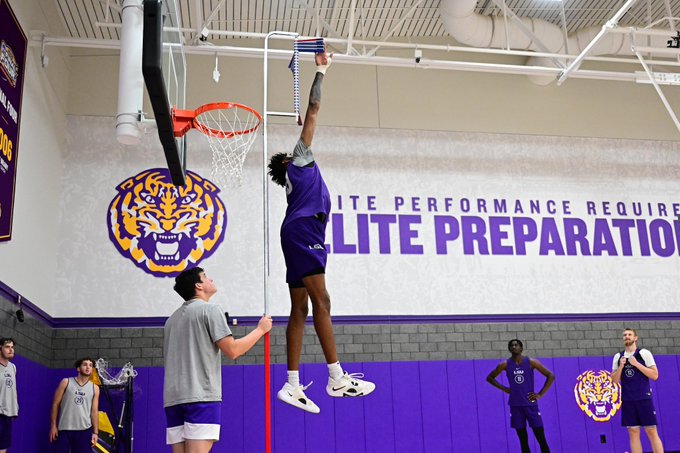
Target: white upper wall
603,237
409,98
28,263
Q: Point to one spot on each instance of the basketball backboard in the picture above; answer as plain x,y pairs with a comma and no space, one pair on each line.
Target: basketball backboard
164,69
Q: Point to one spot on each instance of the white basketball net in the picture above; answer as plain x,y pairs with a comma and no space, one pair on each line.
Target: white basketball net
231,132
121,377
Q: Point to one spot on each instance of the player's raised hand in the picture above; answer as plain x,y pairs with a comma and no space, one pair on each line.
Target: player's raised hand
323,61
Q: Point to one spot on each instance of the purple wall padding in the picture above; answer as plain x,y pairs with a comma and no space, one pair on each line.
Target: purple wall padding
417,407
436,416
667,401
406,406
379,410
35,389
462,404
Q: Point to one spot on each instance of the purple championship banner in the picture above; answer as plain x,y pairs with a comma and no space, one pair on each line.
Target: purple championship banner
13,46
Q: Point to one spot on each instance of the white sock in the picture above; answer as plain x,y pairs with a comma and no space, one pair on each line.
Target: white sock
335,370
294,378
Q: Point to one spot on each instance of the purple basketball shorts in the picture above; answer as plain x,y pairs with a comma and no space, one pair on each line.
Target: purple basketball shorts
303,246
5,432
520,415
638,413
73,441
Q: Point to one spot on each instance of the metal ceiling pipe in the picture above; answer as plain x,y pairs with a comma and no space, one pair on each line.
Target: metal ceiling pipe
130,80
476,30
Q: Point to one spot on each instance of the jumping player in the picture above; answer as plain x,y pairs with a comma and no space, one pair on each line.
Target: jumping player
303,234
523,406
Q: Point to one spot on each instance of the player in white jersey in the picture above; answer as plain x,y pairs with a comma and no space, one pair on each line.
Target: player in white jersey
76,403
9,406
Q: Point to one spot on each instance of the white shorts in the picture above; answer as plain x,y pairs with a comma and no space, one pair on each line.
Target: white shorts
193,421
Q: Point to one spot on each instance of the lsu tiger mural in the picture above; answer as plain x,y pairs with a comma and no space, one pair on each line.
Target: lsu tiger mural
163,228
597,395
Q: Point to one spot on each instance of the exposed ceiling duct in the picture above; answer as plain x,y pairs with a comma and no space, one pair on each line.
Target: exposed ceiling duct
467,27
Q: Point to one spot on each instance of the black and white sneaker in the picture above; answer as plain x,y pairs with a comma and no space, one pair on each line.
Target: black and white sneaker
296,397
349,385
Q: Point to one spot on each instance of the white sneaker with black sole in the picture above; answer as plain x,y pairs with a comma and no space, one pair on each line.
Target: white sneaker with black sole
349,385
295,396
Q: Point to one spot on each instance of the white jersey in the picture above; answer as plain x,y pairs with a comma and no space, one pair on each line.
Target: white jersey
9,406
76,406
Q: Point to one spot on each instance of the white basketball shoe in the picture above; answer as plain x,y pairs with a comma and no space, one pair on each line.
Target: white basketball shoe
349,385
295,396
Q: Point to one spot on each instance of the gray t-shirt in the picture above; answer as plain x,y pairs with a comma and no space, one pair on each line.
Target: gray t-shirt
302,154
193,366
8,390
76,406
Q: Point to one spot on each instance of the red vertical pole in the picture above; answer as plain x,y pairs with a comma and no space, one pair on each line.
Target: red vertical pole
267,397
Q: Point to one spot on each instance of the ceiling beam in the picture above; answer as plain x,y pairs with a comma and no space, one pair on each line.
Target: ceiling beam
606,28
408,13
314,13
209,19
350,33
36,40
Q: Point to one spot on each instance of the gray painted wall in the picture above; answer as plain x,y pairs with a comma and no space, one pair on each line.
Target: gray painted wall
143,347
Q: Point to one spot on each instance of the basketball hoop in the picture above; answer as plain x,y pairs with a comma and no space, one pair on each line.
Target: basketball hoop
230,129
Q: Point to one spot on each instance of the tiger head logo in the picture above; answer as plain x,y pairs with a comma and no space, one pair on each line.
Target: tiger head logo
597,395
163,228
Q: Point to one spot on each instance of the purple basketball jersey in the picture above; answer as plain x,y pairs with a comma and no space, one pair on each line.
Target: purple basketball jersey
634,385
307,193
521,379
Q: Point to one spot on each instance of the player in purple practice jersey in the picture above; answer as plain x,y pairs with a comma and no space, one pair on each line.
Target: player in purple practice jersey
633,368
523,405
303,235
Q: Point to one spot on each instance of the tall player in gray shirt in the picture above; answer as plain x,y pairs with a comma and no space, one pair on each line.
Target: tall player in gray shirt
194,336
9,406
76,403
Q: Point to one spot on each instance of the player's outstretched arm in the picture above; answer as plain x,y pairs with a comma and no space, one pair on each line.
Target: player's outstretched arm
323,61
236,348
